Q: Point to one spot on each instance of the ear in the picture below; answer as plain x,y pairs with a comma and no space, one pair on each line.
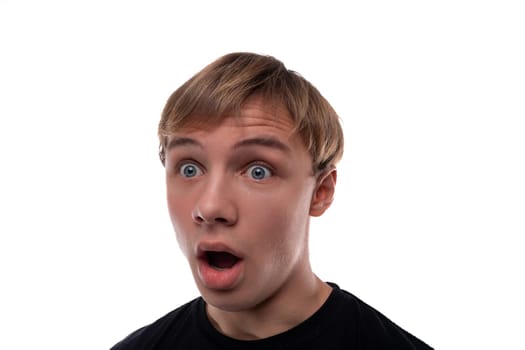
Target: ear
323,195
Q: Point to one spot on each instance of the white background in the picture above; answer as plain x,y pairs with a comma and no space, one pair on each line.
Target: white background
429,213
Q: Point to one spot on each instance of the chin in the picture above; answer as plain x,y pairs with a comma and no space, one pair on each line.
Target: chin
229,300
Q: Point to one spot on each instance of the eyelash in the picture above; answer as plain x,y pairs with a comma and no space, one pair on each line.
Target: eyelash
260,164
182,164
200,171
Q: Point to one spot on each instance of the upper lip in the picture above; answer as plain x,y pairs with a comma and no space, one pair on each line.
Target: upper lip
204,247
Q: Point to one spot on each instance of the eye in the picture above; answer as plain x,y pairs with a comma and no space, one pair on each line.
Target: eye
259,172
189,170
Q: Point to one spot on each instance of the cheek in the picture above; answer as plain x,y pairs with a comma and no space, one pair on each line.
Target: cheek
180,209
279,225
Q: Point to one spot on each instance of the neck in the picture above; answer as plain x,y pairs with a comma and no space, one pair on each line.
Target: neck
291,305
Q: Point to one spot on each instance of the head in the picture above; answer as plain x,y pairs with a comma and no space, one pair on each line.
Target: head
250,150
221,88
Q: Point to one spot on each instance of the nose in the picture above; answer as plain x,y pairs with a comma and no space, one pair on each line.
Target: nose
215,205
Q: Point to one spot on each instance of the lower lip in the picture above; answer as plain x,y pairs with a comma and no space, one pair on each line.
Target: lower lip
219,279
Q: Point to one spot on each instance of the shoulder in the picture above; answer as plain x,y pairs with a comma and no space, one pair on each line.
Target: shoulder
155,333
373,329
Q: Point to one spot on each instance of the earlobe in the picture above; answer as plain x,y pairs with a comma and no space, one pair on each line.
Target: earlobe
323,195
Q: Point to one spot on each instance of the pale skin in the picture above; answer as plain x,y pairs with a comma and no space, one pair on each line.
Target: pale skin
246,186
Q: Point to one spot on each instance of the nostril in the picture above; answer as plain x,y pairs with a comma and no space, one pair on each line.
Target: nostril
198,219
212,218
221,220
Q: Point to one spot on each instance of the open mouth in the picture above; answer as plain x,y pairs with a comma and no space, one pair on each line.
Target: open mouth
219,266
221,260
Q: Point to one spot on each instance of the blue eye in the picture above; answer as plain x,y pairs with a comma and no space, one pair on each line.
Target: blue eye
189,170
259,172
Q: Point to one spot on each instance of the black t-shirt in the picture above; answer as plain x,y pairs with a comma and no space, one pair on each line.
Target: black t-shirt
342,322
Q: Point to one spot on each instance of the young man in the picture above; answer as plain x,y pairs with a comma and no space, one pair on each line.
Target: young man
250,150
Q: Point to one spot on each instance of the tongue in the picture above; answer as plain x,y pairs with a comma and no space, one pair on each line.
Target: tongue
222,260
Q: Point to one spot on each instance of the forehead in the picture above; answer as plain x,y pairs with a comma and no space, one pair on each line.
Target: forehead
256,114
257,125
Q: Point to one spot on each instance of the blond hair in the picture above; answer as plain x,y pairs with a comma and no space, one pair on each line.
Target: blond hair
223,86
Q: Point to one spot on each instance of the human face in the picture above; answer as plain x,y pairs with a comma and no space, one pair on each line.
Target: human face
239,197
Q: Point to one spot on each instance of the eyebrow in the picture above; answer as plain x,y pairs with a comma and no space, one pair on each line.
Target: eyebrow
266,141
182,141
